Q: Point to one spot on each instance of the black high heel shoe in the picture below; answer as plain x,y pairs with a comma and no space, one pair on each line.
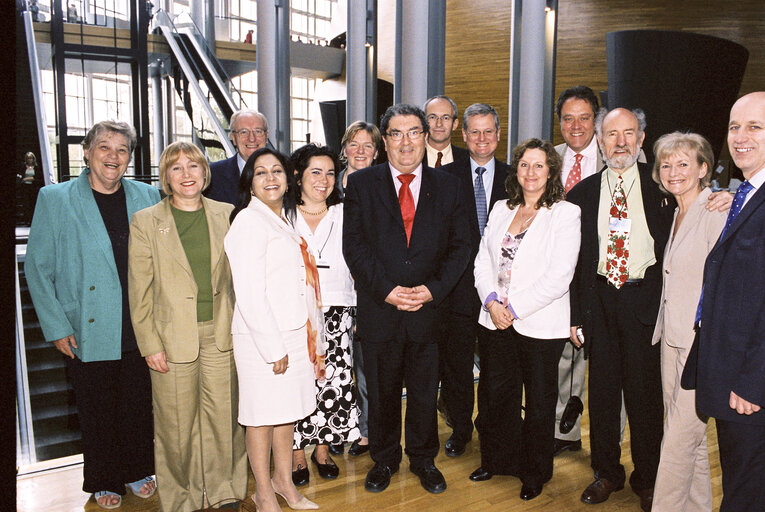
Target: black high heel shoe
328,471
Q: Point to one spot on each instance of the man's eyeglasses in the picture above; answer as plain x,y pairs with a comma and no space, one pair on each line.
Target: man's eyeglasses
432,118
476,134
413,134
244,132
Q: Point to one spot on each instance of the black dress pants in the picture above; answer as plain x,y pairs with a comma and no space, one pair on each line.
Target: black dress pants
386,366
114,409
742,460
456,355
623,359
510,363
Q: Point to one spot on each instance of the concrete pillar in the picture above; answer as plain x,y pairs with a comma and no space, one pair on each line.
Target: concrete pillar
414,60
361,61
159,108
532,63
273,70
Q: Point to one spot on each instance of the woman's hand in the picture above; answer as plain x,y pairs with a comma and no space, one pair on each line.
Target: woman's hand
65,345
500,315
158,362
281,365
574,338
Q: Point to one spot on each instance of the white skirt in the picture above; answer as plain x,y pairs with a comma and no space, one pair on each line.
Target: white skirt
269,399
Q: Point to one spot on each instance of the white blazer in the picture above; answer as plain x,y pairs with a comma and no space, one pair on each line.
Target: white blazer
269,279
542,269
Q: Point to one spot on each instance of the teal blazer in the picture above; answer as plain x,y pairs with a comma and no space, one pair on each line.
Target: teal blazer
70,268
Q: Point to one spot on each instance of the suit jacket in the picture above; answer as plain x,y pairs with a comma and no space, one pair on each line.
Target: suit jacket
375,249
269,279
729,353
224,181
684,260
70,267
464,298
542,269
162,288
459,154
658,213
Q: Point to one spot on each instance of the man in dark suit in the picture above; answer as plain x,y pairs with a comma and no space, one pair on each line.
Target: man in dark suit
441,112
615,297
248,132
406,240
727,362
481,132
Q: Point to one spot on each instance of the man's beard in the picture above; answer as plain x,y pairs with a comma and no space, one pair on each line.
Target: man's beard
622,161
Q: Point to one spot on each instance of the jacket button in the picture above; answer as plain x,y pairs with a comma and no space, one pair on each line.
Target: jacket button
91,320
92,287
666,271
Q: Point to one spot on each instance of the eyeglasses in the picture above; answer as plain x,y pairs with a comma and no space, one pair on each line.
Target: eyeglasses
476,134
244,132
413,134
432,118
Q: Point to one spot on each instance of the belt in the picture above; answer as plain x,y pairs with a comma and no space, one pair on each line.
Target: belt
628,282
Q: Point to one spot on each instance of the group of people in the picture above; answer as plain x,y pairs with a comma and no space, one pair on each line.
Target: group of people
263,286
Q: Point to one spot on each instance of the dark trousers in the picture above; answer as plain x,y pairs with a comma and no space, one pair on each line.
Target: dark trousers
623,359
742,460
114,409
511,362
456,358
386,366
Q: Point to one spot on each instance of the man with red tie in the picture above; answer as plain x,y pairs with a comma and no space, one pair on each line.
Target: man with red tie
406,240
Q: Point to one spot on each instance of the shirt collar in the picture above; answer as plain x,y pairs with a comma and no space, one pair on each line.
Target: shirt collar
395,172
489,166
590,152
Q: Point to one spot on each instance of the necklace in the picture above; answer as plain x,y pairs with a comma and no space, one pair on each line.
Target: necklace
313,213
527,220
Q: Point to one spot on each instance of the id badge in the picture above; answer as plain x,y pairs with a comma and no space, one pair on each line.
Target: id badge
321,263
619,225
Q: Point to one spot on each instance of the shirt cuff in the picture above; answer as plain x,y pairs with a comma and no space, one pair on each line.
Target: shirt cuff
491,298
512,311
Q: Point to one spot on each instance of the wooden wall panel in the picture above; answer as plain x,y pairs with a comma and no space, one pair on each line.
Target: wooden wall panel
478,46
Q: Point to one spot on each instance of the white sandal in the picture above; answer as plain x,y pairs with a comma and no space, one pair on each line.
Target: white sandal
102,494
135,487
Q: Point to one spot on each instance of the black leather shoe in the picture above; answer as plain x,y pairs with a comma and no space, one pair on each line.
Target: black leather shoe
561,446
300,476
430,477
337,449
481,475
357,449
599,491
454,447
646,498
328,471
378,477
529,492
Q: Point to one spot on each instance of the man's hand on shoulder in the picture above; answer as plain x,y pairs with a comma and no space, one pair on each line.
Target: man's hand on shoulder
720,201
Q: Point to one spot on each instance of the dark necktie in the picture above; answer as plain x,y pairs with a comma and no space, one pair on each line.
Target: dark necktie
438,159
406,201
735,209
480,199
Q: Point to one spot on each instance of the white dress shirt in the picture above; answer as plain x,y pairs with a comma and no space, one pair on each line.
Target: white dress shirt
414,186
757,181
446,155
488,177
589,160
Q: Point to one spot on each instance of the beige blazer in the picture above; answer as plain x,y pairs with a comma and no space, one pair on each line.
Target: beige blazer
542,269
683,272
269,279
161,285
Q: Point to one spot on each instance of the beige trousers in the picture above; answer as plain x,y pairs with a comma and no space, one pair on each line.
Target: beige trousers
198,444
683,479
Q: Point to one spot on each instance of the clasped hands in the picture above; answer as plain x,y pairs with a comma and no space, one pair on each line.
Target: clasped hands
500,315
409,299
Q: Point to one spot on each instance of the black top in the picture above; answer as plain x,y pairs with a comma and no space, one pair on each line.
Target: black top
113,208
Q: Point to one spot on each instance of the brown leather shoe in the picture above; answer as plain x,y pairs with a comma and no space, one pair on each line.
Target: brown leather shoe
646,498
599,491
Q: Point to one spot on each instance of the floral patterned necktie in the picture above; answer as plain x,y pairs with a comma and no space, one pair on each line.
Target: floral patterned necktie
618,251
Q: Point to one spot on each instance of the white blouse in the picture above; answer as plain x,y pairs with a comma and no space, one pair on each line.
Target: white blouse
326,244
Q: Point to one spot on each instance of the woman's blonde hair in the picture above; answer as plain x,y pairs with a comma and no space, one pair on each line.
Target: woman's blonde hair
692,144
172,153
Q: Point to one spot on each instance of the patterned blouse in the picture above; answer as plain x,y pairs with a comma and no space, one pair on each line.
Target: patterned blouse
507,251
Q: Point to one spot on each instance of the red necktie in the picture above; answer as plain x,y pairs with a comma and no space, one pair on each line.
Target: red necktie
438,159
406,201
575,174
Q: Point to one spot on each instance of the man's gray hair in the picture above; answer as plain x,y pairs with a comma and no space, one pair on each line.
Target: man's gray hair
603,112
441,97
250,111
479,109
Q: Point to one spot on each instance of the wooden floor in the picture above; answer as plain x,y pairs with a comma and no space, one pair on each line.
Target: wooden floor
59,490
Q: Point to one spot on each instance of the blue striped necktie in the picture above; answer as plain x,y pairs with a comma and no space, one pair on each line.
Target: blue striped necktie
735,209
480,199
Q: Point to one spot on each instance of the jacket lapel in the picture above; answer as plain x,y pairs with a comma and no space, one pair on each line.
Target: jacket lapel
217,222
92,217
387,192
424,202
755,202
168,239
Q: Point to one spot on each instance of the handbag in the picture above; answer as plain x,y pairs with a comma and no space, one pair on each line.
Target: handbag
574,406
